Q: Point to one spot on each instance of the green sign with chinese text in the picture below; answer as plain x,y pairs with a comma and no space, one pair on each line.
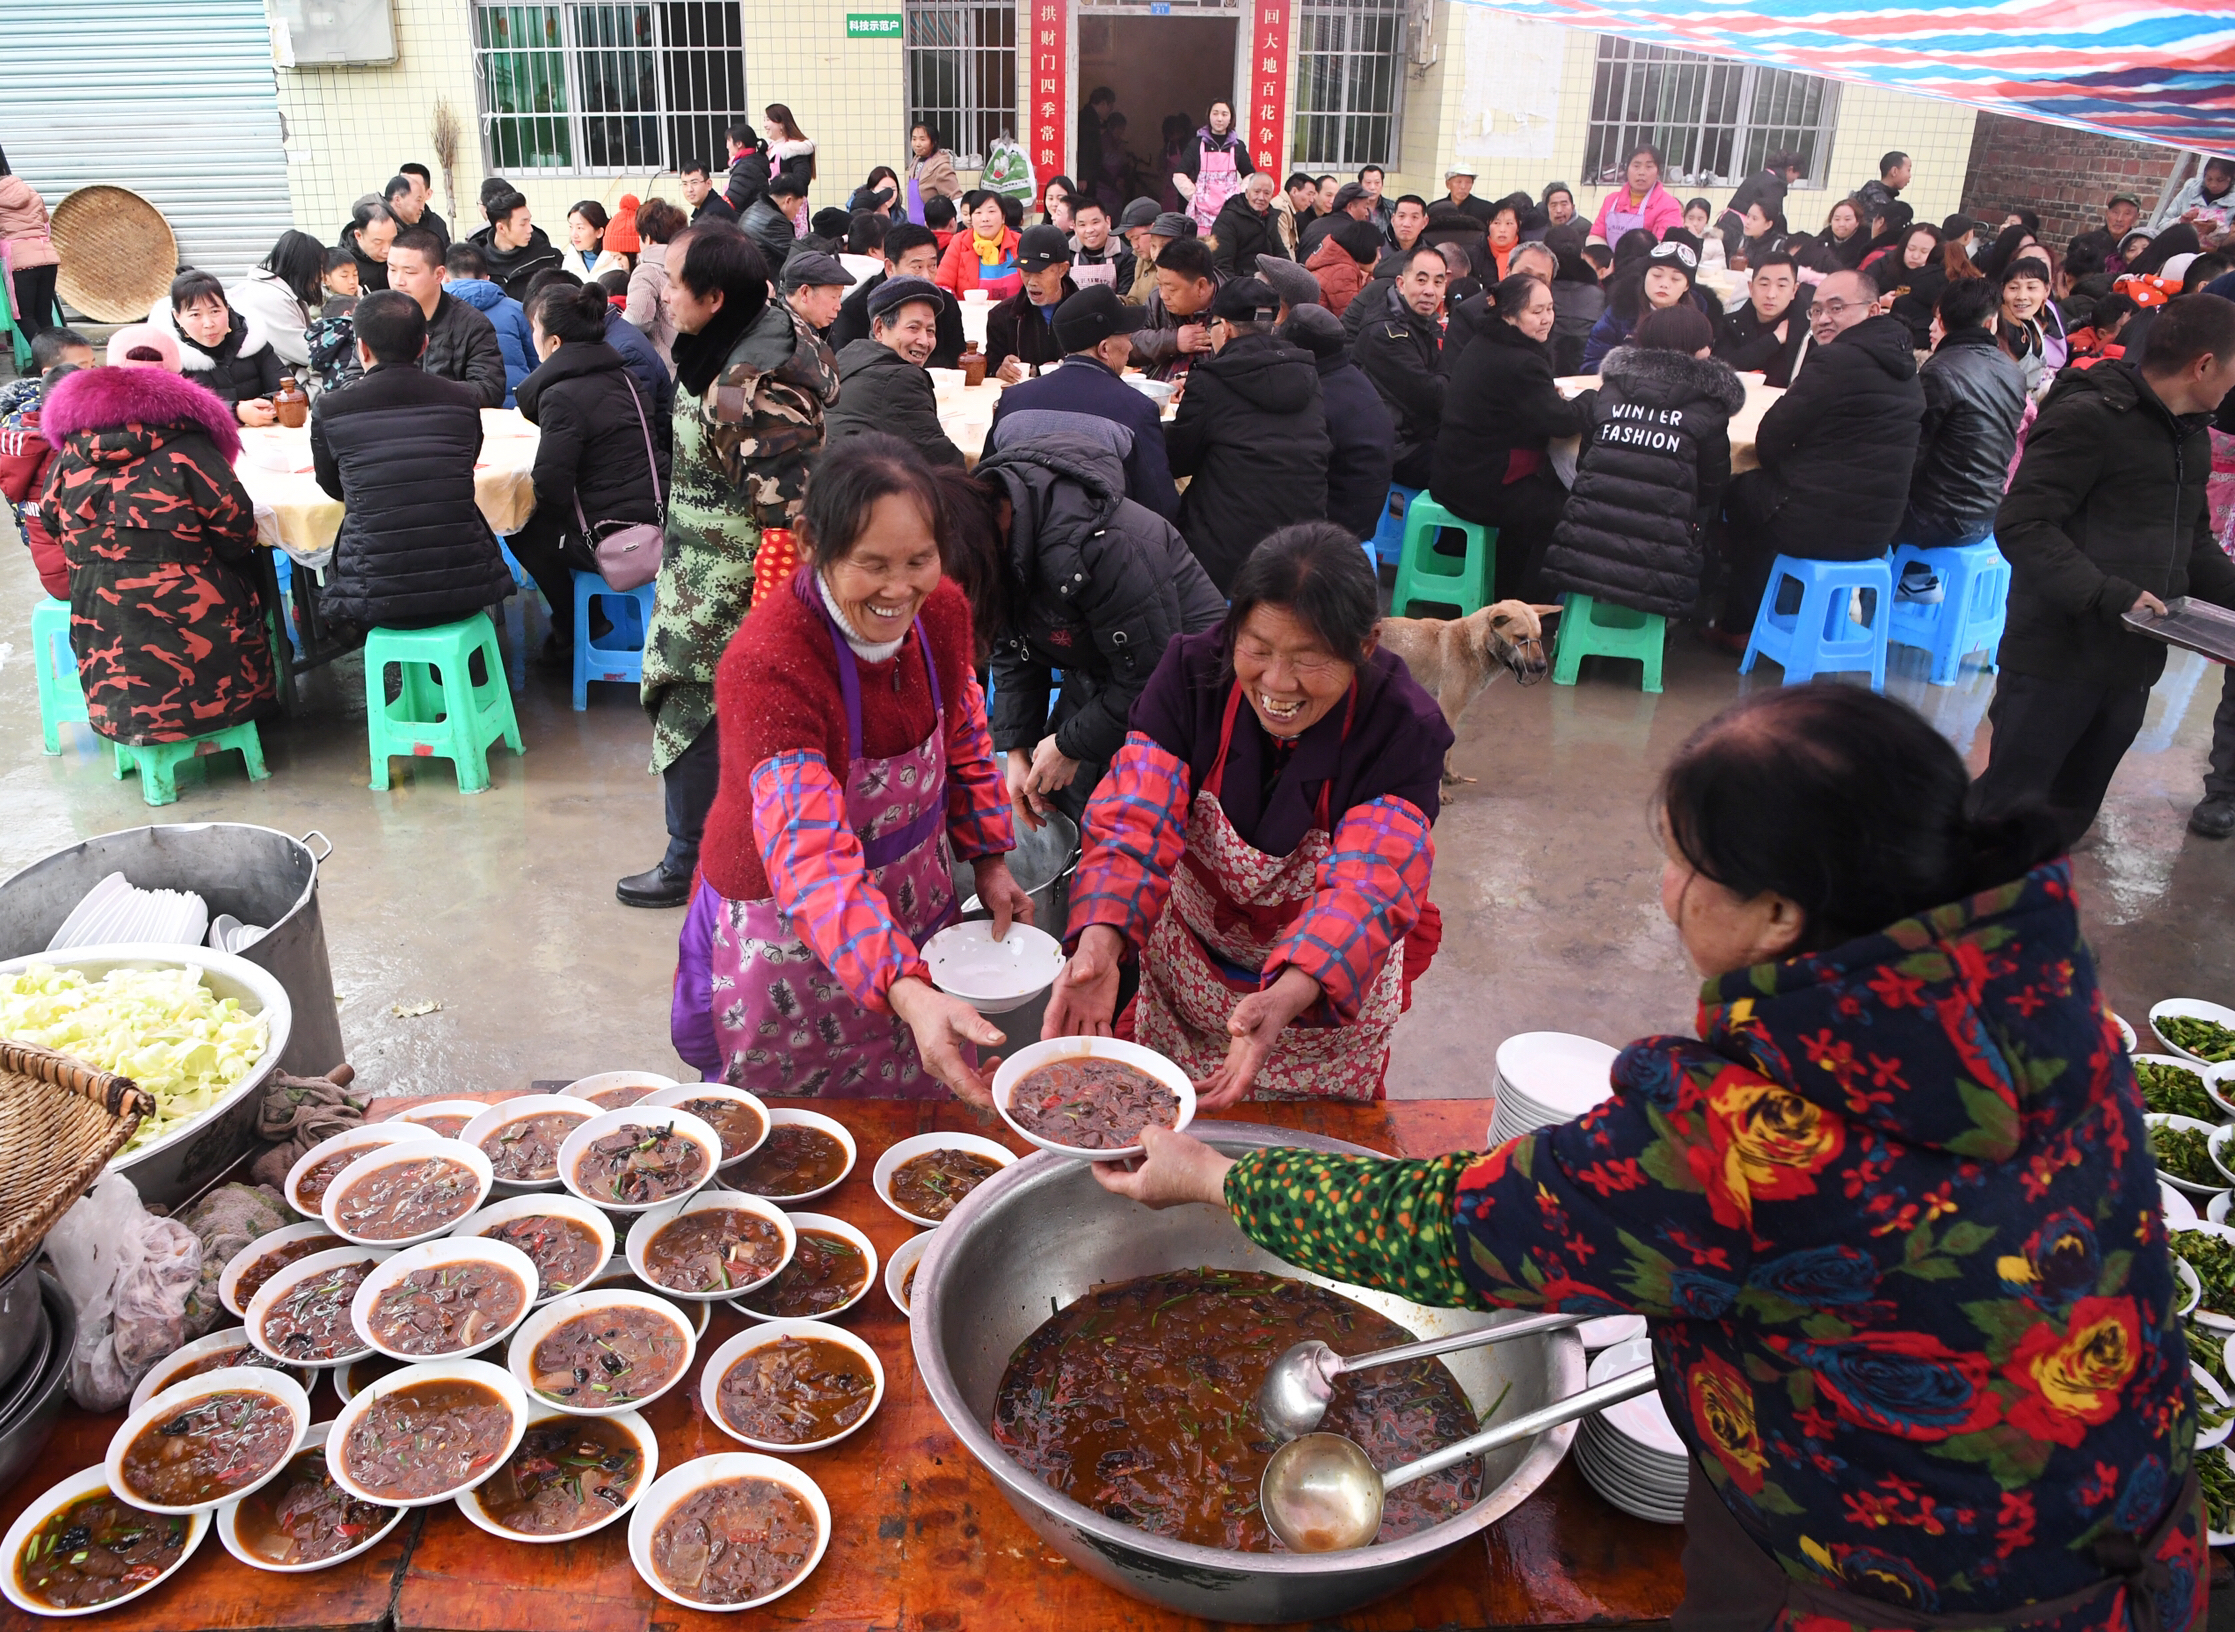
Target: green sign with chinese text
873,25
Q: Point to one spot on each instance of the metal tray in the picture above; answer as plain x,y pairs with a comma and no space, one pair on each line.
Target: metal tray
2191,624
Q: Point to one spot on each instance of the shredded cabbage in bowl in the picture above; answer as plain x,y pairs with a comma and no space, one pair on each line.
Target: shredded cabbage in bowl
161,1027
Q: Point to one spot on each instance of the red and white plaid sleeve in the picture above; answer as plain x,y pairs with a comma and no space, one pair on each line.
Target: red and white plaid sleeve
979,819
1136,826
1369,893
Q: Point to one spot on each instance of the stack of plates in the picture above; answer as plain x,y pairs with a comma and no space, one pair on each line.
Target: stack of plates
1629,1452
1547,1077
113,913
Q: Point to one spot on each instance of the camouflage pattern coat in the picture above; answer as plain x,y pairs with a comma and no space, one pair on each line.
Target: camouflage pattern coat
742,453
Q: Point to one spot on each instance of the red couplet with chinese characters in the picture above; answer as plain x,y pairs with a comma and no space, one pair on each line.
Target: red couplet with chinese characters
1266,118
1048,118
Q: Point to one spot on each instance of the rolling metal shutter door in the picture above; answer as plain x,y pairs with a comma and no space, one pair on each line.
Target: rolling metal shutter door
172,98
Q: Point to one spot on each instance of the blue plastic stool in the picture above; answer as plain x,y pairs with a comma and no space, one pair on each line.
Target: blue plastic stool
1426,574
158,762
441,710
1820,637
1974,603
620,655
55,667
1387,546
283,574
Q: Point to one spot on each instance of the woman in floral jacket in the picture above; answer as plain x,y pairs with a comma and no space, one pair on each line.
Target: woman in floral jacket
1892,1220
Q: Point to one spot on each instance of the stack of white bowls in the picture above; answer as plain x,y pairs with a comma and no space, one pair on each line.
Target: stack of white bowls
1547,1077
1629,1452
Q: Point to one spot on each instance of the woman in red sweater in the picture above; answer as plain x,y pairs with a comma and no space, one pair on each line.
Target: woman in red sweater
856,766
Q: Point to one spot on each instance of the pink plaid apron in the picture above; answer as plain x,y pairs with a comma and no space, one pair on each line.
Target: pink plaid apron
1216,181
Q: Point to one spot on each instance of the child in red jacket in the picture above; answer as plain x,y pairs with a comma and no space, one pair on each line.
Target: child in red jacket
26,455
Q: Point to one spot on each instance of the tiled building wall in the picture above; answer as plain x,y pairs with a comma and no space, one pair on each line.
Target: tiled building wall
2067,175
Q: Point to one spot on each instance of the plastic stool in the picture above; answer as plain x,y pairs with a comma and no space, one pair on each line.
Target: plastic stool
1387,546
55,667
283,574
1425,575
1595,628
1819,637
158,762
620,656
440,711
1974,603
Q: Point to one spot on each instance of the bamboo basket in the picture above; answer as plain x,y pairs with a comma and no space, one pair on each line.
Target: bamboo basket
60,1122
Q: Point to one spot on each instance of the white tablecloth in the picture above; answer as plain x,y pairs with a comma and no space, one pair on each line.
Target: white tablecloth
1744,424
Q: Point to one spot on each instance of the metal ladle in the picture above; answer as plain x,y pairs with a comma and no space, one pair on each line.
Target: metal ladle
1321,1495
1298,1386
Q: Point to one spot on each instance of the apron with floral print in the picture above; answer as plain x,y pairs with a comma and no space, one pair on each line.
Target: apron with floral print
1231,905
784,1023
1216,181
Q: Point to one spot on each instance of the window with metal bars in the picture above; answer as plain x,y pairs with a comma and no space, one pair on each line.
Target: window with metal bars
962,72
596,86
1715,121
1350,74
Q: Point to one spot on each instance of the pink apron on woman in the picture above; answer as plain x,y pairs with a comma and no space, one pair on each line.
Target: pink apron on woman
1216,181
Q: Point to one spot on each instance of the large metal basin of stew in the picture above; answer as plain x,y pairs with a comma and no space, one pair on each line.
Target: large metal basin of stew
1044,1229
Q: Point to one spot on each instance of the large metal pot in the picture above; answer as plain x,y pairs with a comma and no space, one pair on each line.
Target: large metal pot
1044,1229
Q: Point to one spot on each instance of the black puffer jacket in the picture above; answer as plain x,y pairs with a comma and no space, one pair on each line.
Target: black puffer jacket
584,401
880,390
398,449
1362,445
1751,346
1659,455
772,230
239,368
462,345
2107,502
1841,442
1974,399
371,274
748,177
852,323
1399,351
514,269
1242,236
1501,400
1106,585
1252,432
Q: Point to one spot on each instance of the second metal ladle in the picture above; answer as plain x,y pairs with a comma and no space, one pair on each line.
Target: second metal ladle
1294,1396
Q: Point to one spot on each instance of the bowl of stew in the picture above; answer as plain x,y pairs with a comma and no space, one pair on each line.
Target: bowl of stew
521,1137
1089,1097
317,1168
301,1520
632,1160
806,1155
444,1299
618,1277
734,1530
79,1549
924,1178
617,1090
597,1354
567,1477
567,1240
900,1272
833,1267
447,1117
406,1194
421,1435
301,1315
715,1244
229,1347
200,1443
739,1119
792,1385
248,1269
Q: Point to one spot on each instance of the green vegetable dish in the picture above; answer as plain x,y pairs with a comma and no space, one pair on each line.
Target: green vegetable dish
2175,1090
2182,1153
2213,1259
2206,1039
2213,1473
2205,1349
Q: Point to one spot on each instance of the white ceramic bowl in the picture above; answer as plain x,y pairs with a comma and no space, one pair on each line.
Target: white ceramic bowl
660,1116
228,1284
845,1232
507,1111
2126,1033
616,1090
2203,1073
1025,1061
175,1366
904,1258
649,1224
647,1447
453,1151
677,1485
303,1269
90,1482
923,1144
2209,1392
2189,1186
2215,1144
775,1331
2215,1212
571,1208
436,1254
428,1371
352,1377
2210,1318
2188,1008
2192,1289
787,1116
229,1520
680,1096
425,1114
993,976
369,1138
2179,1211
561,1310
226,1380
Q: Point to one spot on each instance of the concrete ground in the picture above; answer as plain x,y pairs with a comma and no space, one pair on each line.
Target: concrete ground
500,906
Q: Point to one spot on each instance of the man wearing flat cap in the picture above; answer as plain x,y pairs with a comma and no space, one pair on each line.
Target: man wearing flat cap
882,385
1020,331
1087,396
815,285
1352,203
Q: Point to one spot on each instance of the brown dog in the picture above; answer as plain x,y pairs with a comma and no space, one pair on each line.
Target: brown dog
1454,660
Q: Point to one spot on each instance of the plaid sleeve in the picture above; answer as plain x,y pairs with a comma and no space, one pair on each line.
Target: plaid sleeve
979,820
1369,895
815,868
1136,825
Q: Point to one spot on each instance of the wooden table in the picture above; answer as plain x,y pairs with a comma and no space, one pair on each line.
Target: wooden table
924,1542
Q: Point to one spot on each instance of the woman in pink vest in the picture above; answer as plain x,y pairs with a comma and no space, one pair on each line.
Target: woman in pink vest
1211,170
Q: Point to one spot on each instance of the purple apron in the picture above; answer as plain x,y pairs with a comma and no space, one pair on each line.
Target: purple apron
915,202
782,1023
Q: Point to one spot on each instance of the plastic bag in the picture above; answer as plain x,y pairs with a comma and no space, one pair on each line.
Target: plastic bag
129,1274
1008,169
225,1221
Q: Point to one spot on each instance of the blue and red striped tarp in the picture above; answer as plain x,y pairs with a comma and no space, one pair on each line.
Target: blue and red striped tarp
2149,70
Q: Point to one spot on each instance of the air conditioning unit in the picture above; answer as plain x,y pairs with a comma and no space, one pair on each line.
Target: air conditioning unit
321,33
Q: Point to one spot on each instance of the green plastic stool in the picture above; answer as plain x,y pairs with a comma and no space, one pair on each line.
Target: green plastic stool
157,762
1590,628
55,667
1424,575
439,712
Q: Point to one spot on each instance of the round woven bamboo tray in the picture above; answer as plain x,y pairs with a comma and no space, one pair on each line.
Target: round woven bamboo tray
60,1122
118,255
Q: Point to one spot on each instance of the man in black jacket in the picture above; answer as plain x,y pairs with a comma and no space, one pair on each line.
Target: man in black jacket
1399,349
882,385
513,245
769,220
1836,450
1974,399
1245,228
1770,330
1177,334
748,166
1087,397
2106,516
462,343
398,449
911,251
1251,432
1361,434
1767,186
408,205
1458,194
423,195
703,197
1020,331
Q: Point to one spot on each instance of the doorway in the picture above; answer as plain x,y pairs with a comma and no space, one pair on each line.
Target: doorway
1158,66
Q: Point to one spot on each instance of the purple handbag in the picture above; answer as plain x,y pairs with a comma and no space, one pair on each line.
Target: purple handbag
628,552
